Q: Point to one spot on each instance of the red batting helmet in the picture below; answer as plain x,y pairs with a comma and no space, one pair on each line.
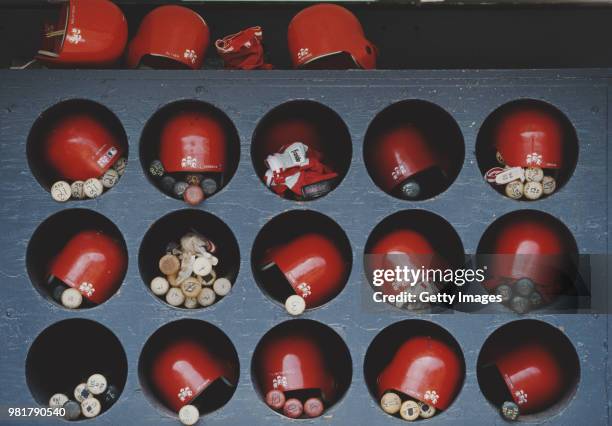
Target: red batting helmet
533,374
174,34
193,141
325,33
93,263
293,361
183,369
401,247
79,146
313,265
426,369
287,131
530,136
399,154
532,247
88,33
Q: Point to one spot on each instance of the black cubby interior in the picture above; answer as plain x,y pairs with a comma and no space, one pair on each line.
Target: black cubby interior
383,347
506,338
282,229
213,339
66,353
53,234
439,129
43,173
335,352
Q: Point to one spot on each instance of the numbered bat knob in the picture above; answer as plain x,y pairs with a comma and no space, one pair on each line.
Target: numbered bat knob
91,407
76,189
189,415
275,399
533,190
295,305
293,408
514,190
313,407
534,174
58,400
410,410
548,185
93,188
96,383
60,191
110,178
510,410
72,298
390,403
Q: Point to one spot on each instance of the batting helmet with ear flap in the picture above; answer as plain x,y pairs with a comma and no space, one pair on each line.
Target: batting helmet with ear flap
93,263
170,35
183,369
312,264
532,373
426,369
293,361
400,153
402,247
534,248
88,33
80,146
325,35
193,141
530,136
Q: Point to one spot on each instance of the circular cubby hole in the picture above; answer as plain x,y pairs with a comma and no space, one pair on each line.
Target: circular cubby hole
529,353
214,120
71,116
506,254
440,352
57,234
171,227
57,361
414,240
318,244
211,358
319,128
535,116
413,150
303,359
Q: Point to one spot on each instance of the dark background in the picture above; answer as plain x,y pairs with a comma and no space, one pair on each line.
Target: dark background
408,36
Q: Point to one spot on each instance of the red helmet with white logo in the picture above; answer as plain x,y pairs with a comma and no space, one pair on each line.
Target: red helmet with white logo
324,34
183,369
88,33
530,136
313,265
426,369
293,361
93,263
170,35
533,375
193,141
534,247
399,154
401,247
79,146
287,131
